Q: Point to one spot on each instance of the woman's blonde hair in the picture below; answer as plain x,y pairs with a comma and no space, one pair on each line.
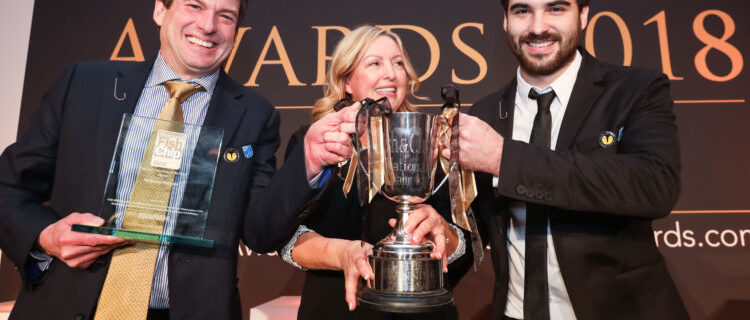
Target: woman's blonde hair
345,58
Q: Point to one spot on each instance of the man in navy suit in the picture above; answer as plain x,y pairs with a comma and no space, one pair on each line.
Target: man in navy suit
574,159
54,175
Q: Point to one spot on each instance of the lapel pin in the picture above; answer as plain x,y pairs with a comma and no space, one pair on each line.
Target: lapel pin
607,139
114,93
247,151
503,115
231,155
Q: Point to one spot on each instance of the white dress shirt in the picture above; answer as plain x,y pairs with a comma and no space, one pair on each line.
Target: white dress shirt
153,97
523,121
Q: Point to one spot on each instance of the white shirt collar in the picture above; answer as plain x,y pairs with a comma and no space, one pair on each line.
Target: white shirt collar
162,72
563,85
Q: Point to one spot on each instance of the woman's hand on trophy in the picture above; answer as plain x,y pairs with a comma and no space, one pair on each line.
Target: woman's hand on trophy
426,224
327,141
314,251
352,257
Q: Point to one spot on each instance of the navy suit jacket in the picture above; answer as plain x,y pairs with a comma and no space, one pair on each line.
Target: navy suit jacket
601,200
60,165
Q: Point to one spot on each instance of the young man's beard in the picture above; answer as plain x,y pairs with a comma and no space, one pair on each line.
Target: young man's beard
546,65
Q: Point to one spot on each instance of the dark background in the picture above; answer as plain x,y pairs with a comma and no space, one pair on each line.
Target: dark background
714,206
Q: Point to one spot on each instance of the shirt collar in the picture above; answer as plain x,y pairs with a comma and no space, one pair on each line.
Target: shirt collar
162,73
563,85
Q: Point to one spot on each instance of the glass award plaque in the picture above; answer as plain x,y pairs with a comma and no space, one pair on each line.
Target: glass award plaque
160,182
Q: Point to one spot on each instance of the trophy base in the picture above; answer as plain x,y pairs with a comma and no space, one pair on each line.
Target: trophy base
406,279
405,303
145,236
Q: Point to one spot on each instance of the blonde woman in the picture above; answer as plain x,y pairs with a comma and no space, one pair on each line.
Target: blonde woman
333,243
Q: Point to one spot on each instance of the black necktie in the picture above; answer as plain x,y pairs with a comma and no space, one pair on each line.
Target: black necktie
536,294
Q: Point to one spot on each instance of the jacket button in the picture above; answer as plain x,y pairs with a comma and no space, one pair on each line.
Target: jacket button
520,189
530,193
539,195
78,317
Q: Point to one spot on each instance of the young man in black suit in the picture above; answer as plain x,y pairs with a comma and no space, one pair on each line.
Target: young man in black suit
59,168
574,160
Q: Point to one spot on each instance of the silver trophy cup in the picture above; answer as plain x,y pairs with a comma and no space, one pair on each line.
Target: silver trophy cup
406,278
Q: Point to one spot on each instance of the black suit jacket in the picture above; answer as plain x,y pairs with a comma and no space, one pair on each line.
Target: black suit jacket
60,165
601,200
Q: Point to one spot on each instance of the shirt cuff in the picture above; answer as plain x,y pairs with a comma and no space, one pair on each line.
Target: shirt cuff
495,181
37,265
286,251
43,260
460,247
319,180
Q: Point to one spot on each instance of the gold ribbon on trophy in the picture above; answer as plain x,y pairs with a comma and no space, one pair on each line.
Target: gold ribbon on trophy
378,164
353,162
465,190
463,187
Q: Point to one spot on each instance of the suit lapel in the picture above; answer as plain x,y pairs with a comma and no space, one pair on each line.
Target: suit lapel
225,110
586,92
119,98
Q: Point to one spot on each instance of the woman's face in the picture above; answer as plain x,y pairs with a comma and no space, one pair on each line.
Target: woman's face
380,73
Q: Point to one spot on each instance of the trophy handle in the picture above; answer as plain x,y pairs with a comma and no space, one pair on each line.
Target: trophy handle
357,143
443,181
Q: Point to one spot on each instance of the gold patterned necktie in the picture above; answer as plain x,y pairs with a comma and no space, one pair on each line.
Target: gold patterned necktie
127,288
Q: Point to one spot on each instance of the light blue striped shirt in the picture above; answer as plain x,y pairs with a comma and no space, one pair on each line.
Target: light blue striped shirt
150,103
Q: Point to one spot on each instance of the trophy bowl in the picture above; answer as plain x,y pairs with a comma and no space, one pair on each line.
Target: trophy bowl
406,278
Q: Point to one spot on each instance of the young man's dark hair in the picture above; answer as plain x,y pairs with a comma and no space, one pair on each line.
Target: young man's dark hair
581,4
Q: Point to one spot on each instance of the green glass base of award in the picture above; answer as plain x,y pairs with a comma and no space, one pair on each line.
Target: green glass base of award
144,236
175,164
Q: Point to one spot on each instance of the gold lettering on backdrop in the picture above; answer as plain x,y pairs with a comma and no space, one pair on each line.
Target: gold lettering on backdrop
719,44
237,40
627,42
666,60
432,43
469,52
132,36
275,38
322,44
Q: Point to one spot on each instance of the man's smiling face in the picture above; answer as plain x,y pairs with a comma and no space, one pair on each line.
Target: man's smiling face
196,35
544,34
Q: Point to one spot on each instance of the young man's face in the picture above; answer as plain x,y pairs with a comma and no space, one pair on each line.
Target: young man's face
196,35
544,34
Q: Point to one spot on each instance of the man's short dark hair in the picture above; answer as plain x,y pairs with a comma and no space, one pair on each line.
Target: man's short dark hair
241,13
581,4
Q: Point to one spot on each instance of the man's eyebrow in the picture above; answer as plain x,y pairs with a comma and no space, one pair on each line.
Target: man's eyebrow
519,6
549,4
559,3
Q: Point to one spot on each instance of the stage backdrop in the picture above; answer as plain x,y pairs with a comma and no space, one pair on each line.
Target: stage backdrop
283,47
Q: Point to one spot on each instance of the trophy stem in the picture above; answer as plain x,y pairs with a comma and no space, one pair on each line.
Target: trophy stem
399,234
